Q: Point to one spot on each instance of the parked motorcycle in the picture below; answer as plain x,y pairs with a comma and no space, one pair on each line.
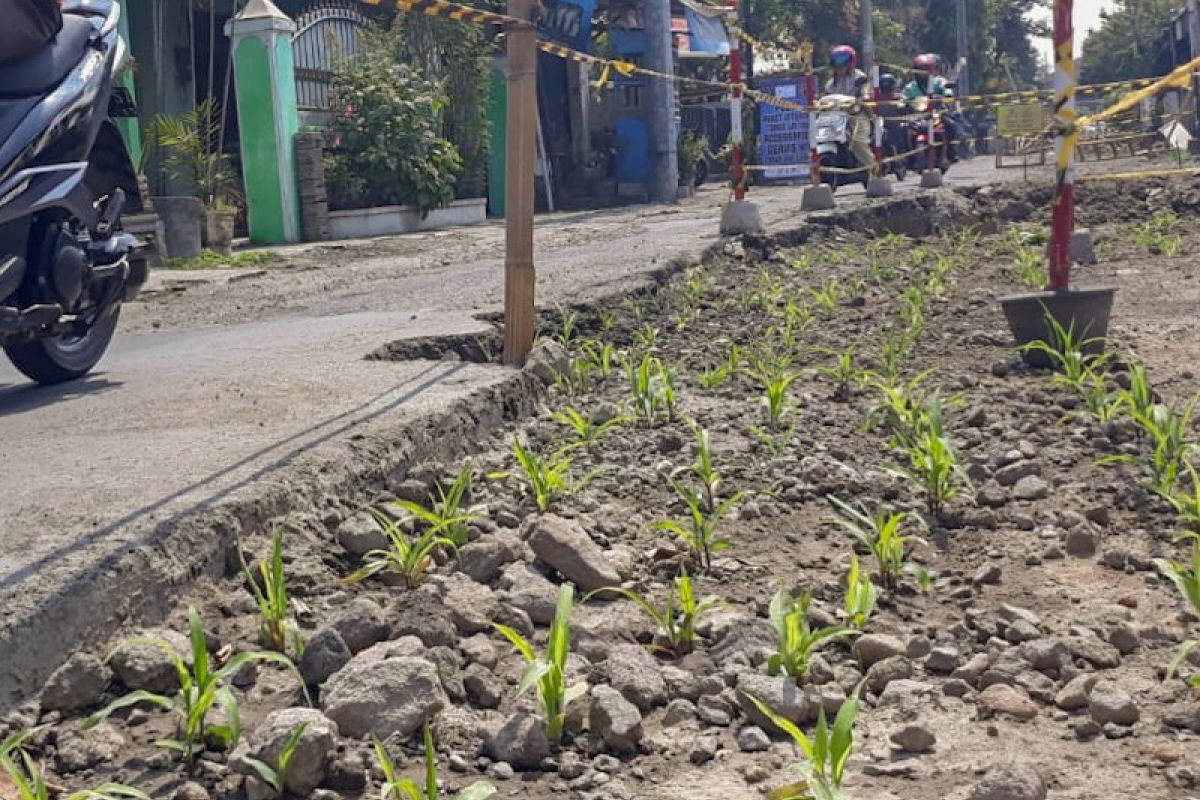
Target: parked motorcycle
65,180
834,126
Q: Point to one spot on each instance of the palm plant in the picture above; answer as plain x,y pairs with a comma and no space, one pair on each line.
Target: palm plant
193,154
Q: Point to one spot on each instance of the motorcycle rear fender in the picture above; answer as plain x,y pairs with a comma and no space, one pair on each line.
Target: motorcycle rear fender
825,148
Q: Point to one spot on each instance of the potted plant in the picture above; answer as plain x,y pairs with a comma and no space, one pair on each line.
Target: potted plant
690,155
192,145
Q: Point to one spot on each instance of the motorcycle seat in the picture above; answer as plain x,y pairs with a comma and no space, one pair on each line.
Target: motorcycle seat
39,73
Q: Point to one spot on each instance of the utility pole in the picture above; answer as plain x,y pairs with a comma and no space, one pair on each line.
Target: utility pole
964,84
868,38
660,57
521,132
1193,26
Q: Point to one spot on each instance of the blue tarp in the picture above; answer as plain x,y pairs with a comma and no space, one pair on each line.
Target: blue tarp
706,32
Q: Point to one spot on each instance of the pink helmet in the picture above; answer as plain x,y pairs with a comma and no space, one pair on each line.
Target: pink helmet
843,55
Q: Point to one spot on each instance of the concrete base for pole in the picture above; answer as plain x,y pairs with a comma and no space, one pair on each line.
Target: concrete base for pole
740,216
880,187
931,179
817,198
1083,251
1085,311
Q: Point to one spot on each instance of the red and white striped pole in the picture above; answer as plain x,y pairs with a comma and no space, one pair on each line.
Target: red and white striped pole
1062,224
810,83
735,109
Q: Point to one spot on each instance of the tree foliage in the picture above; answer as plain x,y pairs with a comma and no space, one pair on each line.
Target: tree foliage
1130,42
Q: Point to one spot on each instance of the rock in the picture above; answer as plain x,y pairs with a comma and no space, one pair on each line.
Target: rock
890,669
484,559
974,667
360,534
906,695
1123,636
191,791
458,730
1074,695
1013,473
780,694
1010,780
1093,650
361,624
484,689
527,589
687,684
80,750
988,574
76,685
875,647
1108,702
423,614
1031,487
1186,718
566,546
315,749
1081,542
615,720
478,649
914,739
383,696
704,750
1021,631
748,636
715,710
1047,654
753,739
501,771
348,773
548,360
1002,699
472,605
449,667
144,666
918,647
942,660
520,741
679,712
632,671
324,654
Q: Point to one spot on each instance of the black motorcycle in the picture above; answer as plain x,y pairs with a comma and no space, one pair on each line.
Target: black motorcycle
65,179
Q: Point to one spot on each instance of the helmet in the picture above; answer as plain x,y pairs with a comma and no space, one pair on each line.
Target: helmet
926,63
843,55
887,82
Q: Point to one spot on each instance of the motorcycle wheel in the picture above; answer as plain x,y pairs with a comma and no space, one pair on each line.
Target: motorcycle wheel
900,170
832,179
60,358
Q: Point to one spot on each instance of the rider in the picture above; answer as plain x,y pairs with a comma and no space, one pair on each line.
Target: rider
849,80
928,82
890,105
28,26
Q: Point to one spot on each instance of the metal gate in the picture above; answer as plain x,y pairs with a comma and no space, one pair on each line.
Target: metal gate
326,31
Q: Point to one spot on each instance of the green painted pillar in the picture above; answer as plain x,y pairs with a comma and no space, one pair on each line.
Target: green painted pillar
498,131
130,129
264,73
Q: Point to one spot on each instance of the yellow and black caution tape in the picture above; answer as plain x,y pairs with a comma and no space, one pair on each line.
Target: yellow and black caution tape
444,8
1146,173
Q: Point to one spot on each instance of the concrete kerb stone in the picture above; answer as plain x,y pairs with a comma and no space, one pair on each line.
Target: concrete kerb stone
931,179
1083,249
817,198
740,217
880,187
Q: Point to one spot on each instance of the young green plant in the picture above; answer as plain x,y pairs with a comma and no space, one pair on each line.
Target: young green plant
826,754
26,778
276,628
410,556
861,596
676,619
1186,577
699,531
585,430
547,478
398,787
276,776
445,513
880,532
548,673
797,641
202,688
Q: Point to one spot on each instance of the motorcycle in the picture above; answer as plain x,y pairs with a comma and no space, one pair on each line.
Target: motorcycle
65,180
834,125
919,131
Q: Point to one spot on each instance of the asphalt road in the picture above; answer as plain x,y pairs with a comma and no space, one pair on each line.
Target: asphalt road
206,390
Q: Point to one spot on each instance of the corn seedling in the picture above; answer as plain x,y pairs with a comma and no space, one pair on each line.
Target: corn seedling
880,533
445,513
1187,505
933,466
276,776
577,377
902,408
797,641
699,531
1069,355
704,468
843,373
1029,267
547,479
714,377
410,556
607,319
1159,234
548,673
602,355
26,779
828,295
826,754
398,787
802,263
276,628
203,687
586,431
1099,401
568,321
652,385
1139,397
646,337
1186,577
861,596
1169,431
677,618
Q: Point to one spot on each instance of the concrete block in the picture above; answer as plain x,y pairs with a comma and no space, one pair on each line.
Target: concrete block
880,187
740,216
1083,250
931,179
817,198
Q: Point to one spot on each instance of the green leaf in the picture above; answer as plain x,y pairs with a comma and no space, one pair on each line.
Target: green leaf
126,701
517,640
431,786
265,773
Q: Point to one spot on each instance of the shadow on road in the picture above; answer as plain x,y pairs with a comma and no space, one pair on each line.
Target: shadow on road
17,398
410,388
